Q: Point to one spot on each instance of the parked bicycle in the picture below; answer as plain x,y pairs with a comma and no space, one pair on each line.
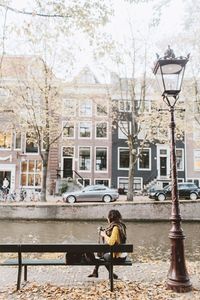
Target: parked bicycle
35,195
4,193
22,194
12,196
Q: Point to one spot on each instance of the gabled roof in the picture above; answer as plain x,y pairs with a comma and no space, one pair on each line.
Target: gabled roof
86,76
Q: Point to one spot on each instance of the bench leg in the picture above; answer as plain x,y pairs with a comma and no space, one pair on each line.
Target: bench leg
25,272
111,277
19,277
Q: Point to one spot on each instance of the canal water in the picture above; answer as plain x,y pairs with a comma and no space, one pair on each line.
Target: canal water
150,239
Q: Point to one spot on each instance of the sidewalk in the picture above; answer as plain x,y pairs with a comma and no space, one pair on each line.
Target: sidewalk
142,281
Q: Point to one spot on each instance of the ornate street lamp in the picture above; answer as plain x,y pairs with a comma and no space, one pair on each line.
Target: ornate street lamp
169,71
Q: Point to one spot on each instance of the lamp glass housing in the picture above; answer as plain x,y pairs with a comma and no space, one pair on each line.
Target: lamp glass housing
169,74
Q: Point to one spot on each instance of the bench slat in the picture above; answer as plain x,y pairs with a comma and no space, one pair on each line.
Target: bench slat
9,247
65,248
75,248
59,262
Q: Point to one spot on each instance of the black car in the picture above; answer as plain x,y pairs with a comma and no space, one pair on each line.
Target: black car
186,190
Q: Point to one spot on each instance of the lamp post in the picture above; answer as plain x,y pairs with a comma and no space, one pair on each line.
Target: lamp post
169,71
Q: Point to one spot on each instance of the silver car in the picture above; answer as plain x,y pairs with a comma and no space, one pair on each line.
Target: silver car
98,192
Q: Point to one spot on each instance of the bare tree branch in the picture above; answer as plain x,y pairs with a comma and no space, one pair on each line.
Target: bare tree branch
33,13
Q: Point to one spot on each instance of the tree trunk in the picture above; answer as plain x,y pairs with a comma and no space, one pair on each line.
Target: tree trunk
44,176
130,193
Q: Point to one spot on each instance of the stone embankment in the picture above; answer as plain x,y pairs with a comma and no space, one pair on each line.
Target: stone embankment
139,209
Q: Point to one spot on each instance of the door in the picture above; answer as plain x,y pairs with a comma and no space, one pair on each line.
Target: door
163,161
163,166
67,167
4,174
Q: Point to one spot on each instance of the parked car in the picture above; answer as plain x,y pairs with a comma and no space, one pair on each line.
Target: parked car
92,193
186,190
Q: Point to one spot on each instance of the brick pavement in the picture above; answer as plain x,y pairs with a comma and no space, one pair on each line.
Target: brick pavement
77,276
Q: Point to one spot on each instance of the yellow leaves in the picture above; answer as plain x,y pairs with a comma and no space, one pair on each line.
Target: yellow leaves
148,287
97,291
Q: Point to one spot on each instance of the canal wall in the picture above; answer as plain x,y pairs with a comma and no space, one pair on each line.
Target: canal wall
131,211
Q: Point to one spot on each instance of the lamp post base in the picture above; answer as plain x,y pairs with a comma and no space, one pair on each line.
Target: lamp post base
178,279
179,287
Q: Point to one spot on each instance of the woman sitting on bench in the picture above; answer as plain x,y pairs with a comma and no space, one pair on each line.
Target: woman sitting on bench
115,233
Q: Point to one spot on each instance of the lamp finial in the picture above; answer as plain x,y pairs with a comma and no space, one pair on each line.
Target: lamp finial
169,53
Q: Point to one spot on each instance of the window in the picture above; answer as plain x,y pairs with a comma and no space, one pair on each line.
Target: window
85,129
196,106
84,182
143,131
179,159
68,130
102,181
195,181
17,141
125,105
86,108
122,130
101,109
101,159
123,158
5,140
143,106
69,107
123,183
84,159
101,130
196,130
31,145
4,98
68,151
144,159
31,173
4,93
197,160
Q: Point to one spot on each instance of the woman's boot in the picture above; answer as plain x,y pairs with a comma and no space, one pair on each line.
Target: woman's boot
94,273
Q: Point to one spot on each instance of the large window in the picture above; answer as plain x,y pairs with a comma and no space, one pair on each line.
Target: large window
31,173
101,159
86,108
123,129
68,151
68,130
143,131
123,158
196,130
101,130
84,159
123,183
143,106
144,159
5,140
102,181
85,130
17,141
31,145
125,105
196,106
101,109
69,107
179,159
197,160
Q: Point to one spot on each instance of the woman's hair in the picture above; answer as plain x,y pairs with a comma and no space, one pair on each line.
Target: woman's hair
114,216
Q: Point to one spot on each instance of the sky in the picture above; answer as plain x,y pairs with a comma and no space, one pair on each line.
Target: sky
119,26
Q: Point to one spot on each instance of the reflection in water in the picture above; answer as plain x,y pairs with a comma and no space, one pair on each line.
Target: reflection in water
150,239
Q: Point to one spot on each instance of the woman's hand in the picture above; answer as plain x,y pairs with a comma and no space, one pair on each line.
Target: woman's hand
103,234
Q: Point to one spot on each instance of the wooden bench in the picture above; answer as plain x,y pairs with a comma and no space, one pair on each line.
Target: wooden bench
22,262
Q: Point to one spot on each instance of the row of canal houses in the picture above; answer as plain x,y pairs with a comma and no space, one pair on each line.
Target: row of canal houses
90,150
